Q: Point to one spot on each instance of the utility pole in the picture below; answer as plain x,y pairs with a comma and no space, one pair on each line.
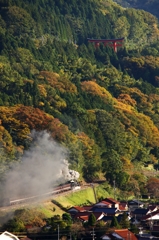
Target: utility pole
58,232
93,234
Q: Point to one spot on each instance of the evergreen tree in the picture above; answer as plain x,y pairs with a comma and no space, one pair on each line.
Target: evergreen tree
91,220
124,223
134,228
114,223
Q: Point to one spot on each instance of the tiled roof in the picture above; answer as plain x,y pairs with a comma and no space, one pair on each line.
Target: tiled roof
123,206
110,200
152,207
8,236
79,209
105,210
143,211
83,218
85,215
125,234
75,209
87,208
134,201
121,234
151,215
105,202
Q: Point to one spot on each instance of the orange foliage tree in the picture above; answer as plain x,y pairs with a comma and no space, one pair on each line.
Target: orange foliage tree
58,82
152,186
93,88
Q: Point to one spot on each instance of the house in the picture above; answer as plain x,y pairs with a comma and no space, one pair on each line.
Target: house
133,204
153,216
146,196
87,208
139,213
8,236
84,216
153,208
146,236
103,203
76,209
123,206
113,202
106,211
108,202
122,234
108,219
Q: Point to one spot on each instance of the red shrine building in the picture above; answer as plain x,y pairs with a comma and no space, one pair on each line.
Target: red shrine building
117,42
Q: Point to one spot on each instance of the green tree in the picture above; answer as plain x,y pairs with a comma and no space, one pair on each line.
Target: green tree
67,218
111,165
14,225
122,179
134,228
114,223
91,220
113,131
124,223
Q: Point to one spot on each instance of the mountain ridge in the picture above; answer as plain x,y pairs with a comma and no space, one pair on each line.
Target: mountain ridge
149,6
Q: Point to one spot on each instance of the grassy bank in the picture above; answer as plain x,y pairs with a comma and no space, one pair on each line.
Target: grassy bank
85,196
82,197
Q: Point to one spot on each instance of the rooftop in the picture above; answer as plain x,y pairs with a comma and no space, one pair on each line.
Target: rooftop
8,236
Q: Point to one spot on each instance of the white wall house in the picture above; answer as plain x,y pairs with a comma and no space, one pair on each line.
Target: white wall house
8,236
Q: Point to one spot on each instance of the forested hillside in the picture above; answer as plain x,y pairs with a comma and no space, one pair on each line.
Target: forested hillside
102,106
151,6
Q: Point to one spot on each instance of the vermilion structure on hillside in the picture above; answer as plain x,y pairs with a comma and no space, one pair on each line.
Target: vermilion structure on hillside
117,42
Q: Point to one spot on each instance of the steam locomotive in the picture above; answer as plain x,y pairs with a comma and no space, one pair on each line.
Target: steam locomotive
62,188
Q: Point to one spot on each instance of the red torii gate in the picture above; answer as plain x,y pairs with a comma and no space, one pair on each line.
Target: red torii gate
117,42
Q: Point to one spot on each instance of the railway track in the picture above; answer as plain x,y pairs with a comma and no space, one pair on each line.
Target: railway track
13,203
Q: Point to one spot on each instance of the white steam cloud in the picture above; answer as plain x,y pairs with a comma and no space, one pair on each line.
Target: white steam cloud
42,168
68,173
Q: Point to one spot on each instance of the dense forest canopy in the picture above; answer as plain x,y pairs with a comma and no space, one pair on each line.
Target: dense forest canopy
103,106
